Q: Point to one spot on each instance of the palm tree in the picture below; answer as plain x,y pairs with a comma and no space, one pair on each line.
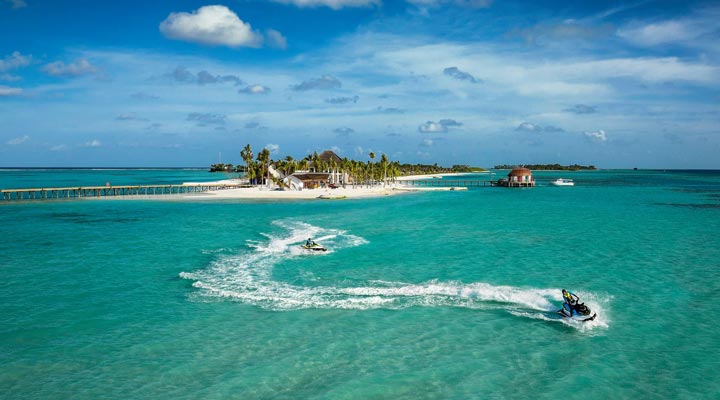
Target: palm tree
290,165
372,160
264,159
251,173
314,158
247,156
383,165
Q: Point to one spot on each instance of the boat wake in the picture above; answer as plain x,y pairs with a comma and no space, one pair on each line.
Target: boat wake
247,277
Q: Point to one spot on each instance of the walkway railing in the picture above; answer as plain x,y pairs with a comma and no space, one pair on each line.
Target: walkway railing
446,183
108,191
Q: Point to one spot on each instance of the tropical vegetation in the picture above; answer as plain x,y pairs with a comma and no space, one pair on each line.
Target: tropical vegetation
257,169
554,167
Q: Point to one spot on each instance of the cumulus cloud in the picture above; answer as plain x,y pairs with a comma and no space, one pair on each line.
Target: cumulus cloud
334,4
344,131
529,127
427,143
182,74
18,140
342,100
275,39
272,148
14,61
431,127
454,72
210,25
79,67
204,119
324,82
255,89
92,143
440,126
581,109
598,136
6,91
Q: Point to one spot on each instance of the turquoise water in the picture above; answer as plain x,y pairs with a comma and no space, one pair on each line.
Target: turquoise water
443,295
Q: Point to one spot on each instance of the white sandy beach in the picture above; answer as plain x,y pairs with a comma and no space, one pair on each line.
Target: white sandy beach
348,192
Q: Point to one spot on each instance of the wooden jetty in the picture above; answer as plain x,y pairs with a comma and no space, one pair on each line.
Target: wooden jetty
108,191
447,183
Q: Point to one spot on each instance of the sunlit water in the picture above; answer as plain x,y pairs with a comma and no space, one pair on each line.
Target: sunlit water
430,295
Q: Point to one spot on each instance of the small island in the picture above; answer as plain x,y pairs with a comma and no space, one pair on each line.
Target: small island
256,168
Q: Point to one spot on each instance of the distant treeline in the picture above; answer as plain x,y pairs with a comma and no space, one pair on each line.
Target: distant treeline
540,167
223,168
426,169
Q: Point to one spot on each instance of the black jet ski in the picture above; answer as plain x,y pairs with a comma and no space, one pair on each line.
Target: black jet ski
313,247
581,313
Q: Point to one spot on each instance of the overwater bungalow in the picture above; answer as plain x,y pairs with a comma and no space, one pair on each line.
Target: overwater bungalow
518,177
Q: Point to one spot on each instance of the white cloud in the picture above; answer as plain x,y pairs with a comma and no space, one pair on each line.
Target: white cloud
6,91
272,148
79,67
18,140
210,25
276,39
334,4
92,143
529,127
14,61
645,69
687,30
431,127
440,126
60,147
255,89
598,136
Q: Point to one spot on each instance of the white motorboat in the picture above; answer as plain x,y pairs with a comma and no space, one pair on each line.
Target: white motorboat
562,182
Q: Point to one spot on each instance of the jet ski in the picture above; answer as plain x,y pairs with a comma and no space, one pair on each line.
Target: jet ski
581,312
313,247
578,312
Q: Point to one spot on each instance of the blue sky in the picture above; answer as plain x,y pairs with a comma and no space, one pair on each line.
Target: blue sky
479,82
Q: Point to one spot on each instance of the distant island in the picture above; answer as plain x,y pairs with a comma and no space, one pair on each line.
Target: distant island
548,167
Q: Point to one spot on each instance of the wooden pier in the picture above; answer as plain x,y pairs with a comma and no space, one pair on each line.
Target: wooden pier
108,191
447,183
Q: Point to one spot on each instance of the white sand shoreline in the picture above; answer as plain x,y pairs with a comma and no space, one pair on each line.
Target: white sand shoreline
348,192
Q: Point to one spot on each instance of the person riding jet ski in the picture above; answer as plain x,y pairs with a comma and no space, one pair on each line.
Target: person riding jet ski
571,306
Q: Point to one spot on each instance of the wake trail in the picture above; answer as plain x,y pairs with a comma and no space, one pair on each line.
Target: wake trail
247,277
